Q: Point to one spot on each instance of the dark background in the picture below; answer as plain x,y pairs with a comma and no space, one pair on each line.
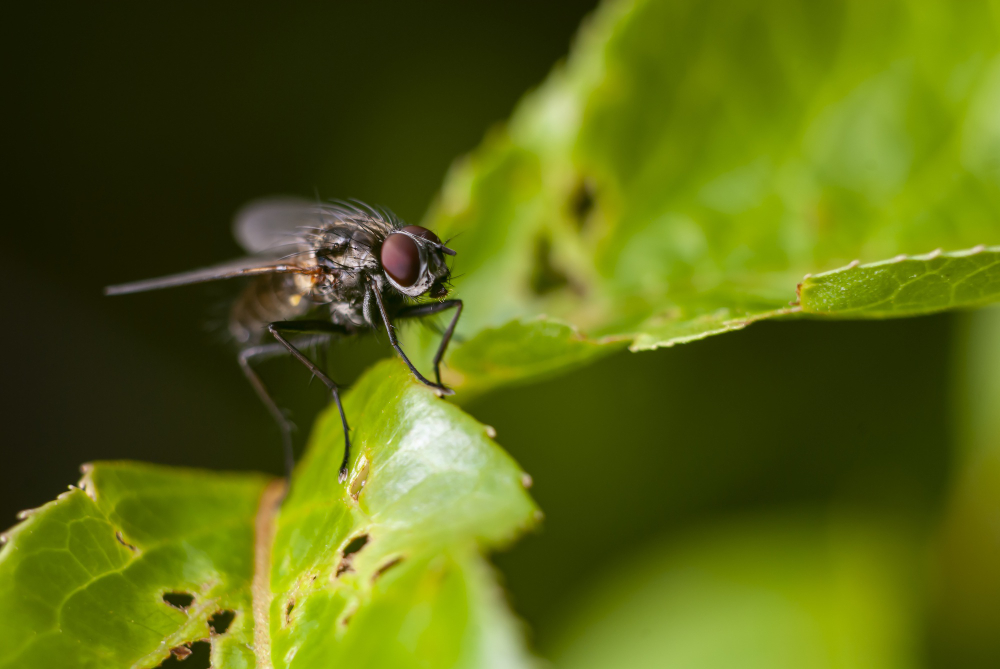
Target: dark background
134,132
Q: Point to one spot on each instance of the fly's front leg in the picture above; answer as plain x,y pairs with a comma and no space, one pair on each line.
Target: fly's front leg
276,330
418,310
390,331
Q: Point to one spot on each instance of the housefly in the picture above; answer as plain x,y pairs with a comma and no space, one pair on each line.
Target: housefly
324,269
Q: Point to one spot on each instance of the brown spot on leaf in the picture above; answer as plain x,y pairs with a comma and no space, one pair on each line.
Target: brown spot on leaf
386,567
348,614
121,540
195,655
181,652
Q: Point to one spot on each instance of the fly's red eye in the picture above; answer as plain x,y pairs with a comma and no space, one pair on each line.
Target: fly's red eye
401,258
418,231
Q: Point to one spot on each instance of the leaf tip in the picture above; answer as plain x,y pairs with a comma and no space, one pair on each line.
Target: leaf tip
86,483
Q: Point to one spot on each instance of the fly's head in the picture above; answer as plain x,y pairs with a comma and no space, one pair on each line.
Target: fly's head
413,260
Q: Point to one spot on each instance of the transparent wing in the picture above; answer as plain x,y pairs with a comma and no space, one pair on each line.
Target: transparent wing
229,270
275,224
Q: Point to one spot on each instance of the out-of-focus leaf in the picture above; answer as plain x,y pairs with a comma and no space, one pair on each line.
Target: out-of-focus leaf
83,578
692,161
797,593
384,570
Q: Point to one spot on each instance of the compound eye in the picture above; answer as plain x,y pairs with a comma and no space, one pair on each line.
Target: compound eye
419,231
401,258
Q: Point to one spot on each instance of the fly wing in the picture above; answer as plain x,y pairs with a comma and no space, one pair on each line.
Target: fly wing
275,225
236,268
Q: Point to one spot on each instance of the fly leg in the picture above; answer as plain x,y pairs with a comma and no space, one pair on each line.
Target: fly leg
263,352
276,330
390,331
419,310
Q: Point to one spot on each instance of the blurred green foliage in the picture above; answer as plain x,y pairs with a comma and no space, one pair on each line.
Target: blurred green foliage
692,161
768,592
692,168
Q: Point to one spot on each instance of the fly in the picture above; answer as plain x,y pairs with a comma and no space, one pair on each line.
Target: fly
321,270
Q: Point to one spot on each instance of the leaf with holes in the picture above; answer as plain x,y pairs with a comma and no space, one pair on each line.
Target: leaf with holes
388,562
692,161
137,562
142,562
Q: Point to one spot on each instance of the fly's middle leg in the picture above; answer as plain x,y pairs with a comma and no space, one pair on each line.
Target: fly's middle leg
277,329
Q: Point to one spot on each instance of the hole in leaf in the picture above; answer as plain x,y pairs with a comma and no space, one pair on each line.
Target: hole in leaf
178,600
545,277
581,201
197,655
355,545
387,566
221,621
350,550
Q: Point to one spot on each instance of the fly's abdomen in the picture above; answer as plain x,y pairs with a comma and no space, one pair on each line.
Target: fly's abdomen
269,298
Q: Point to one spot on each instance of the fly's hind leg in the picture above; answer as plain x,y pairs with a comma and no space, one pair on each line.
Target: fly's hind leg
276,329
263,352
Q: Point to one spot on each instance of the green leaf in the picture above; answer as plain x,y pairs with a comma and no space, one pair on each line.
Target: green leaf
692,161
83,579
427,488
906,286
